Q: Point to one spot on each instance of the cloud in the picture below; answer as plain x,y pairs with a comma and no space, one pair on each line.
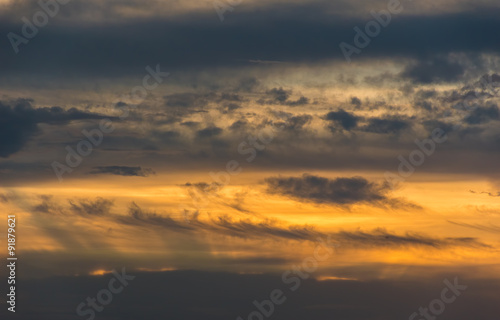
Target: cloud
47,205
98,207
382,238
339,191
355,101
437,69
139,217
347,120
482,115
238,125
281,96
488,228
4,198
390,126
123,171
19,122
298,122
488,193
209,132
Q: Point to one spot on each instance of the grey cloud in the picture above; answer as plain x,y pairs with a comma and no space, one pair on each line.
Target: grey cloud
339,191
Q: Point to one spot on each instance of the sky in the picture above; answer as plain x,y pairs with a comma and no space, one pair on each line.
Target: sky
344,153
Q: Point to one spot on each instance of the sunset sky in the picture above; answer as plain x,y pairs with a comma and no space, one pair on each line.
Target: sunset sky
208,147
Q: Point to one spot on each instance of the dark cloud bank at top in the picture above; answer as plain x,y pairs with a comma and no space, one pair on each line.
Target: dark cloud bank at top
284,33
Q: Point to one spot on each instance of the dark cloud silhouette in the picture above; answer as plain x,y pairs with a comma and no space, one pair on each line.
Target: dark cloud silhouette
123,171
339,191
347,120
19,122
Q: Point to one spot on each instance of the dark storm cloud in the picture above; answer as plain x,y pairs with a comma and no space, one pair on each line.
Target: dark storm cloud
285,34
482,115
97,207
123,171
434,70
386,125
19,122
339,191
347,120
